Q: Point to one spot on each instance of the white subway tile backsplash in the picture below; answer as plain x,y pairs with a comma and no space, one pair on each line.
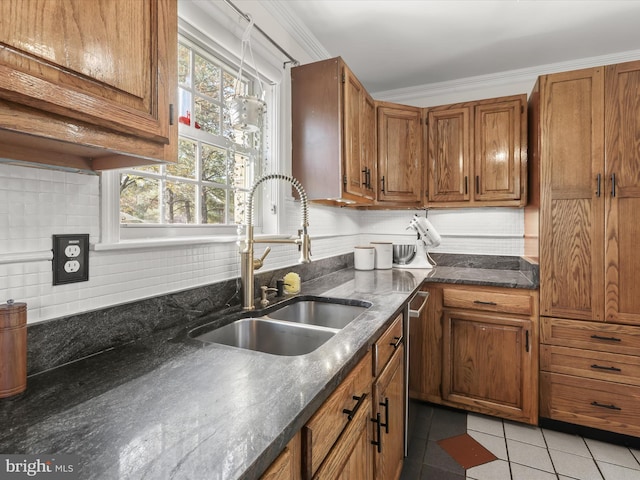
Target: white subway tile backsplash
36,203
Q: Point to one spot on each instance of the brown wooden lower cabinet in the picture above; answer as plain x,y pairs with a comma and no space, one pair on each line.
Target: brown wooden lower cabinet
487,364
350,457
358,432
328,435
590,374
476,348
287,465
614,407
389,415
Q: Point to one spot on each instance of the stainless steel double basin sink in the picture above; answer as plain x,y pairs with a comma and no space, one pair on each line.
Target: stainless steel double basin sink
297,328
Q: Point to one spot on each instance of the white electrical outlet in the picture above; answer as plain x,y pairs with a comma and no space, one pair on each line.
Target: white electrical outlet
72,266
72,251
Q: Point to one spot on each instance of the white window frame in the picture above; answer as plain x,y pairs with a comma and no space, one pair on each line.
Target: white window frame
117,236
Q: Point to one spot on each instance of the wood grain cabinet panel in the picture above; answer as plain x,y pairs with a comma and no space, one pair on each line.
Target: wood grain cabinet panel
333,134
399,155
321,433
96,84
488,299
622,173
487,363
287,465
593,403
389,410
476,153
387,344
448,153
590,364
587,171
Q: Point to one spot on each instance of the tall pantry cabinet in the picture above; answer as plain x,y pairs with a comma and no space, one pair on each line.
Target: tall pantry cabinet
585,195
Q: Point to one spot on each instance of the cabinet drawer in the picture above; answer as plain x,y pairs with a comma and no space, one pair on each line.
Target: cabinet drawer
591,364
593,403
603,337
517,303
386,345
326,425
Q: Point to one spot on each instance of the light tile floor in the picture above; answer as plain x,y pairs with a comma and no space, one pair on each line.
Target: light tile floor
524,452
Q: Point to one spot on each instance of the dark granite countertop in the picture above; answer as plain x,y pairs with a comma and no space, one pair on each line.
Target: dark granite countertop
166,407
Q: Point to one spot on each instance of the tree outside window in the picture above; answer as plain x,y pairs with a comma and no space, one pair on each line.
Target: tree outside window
215,164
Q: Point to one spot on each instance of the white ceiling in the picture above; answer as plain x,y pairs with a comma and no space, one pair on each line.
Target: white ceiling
395,44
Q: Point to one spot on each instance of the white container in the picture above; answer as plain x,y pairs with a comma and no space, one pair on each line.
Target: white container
364,258
384,255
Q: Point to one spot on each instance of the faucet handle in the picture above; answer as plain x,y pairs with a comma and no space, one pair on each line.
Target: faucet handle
304,246
258,262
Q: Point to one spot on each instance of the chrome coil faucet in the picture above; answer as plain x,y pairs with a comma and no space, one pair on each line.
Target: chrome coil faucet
248,264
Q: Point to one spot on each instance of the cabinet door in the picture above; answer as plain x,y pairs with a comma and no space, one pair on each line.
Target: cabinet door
572,195
369,145
389,410
448,153
399,154
488,364
354,167
350,458
498,132
622,140
99,63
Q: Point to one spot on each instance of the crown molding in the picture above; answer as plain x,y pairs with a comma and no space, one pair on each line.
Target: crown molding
292,24
528,74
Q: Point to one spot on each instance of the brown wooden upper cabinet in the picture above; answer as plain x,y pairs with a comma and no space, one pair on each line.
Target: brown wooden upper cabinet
89,88
585,151
333,133
476,153
399,155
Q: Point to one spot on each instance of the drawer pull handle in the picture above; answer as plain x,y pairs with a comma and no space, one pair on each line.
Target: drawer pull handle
610,339
600,367
397,343
385,404
480,302
351,413
378,443
610,407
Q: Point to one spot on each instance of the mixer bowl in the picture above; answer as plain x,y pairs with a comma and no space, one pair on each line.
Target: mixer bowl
403,254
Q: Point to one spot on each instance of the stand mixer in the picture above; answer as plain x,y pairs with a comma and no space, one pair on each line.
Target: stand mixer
427,237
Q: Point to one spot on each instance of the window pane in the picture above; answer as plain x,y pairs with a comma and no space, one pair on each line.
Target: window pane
149,168
184,106
207,78
207,116
214,164
186,164
230,85
139,200
239,202
184,77
179,203
214,202
240,171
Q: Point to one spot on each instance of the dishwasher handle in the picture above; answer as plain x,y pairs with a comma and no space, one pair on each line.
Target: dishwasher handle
416,312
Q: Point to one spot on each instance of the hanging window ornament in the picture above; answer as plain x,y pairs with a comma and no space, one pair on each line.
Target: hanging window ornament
247,111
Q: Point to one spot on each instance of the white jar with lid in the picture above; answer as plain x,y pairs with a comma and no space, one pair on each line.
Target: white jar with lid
384,255
364,257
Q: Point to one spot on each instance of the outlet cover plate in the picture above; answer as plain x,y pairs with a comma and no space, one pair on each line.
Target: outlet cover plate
70,258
